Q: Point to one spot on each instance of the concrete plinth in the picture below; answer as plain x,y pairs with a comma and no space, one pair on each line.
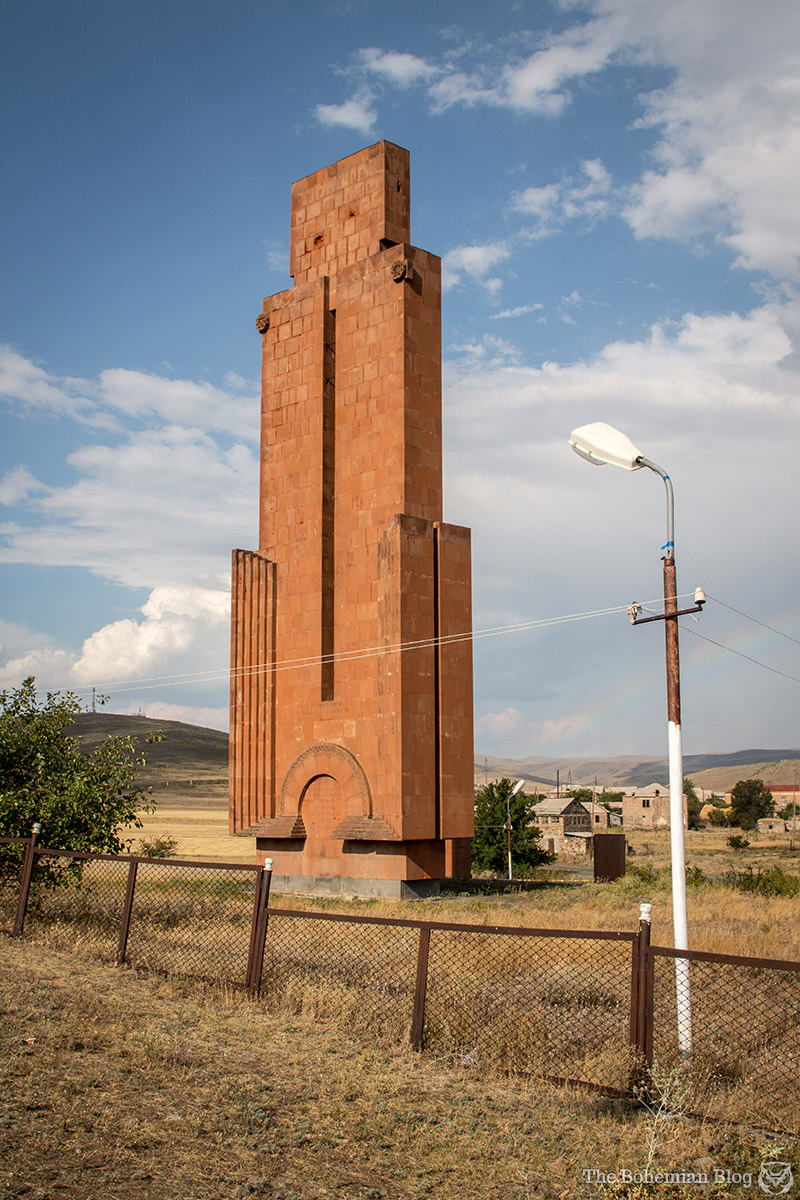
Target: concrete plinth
378,889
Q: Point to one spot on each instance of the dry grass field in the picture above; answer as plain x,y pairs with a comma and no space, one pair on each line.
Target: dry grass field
720,919
134,1087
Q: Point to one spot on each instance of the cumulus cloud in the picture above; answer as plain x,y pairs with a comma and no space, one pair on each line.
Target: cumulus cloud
463,263
18,484
726,159
715,399
398,68
181,401
178,644
356,113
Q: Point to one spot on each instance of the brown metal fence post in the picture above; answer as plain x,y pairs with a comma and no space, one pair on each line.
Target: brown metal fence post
127,907
258,934
642,1002
25,882
420,990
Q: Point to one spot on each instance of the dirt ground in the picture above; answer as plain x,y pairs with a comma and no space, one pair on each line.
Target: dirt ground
130,1087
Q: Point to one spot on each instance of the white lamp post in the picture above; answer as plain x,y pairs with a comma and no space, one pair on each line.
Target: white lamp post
519,784
600,444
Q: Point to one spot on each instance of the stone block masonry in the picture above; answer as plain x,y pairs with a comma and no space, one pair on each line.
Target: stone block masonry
351,689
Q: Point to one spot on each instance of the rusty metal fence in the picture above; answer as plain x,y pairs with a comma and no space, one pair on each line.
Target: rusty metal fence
591,1007
745,1034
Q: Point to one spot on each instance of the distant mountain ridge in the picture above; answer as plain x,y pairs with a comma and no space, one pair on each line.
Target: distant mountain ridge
712,771
194,752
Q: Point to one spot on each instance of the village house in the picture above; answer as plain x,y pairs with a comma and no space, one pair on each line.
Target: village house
566,825
648,808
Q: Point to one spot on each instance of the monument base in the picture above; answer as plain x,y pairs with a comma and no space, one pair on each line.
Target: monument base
383,889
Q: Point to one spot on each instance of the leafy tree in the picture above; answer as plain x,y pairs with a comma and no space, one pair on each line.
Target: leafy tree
82,801
583,794
751,799
719,817
490,843
693,803
611,800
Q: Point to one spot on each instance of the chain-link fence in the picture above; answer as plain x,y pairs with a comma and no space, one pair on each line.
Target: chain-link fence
551,1002
170,916
587,1006
360,970
742,1016
192,919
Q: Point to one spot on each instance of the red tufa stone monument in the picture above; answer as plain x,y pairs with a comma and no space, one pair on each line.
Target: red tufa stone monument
351,692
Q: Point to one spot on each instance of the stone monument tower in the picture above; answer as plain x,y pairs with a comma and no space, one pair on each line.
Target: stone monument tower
351,691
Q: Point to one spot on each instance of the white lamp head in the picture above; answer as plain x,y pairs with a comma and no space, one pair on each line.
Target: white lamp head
602,444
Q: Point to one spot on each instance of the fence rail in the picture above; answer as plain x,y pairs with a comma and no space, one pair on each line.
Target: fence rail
592,1007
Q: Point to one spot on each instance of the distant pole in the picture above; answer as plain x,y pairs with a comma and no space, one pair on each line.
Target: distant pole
519,784
508,831
94,697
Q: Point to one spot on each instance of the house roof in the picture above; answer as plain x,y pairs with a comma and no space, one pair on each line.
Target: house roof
652,789
555,807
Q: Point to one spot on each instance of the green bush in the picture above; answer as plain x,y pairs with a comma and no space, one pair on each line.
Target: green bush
160,846
771,882
737,842
83,801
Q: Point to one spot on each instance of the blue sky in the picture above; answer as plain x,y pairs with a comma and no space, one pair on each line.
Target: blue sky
612,186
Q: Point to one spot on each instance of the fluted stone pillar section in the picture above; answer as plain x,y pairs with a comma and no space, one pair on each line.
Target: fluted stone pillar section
252,780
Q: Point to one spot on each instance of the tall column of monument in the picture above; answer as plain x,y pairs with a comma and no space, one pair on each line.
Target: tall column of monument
351,691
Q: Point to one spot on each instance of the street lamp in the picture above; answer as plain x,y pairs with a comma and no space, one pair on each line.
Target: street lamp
519,784
600,444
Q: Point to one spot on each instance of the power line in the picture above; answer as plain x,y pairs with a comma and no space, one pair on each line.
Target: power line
755,621
367,652
131,685
738,653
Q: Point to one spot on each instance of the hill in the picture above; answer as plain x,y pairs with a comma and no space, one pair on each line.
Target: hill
188,755
184,753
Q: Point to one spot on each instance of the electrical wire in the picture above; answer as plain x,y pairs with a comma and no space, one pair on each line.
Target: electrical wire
738,653
135,685
755,620
214,676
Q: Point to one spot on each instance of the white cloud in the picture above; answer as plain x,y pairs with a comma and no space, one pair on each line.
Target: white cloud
355,113
457,87
520,310
474,262
180,628
726,160
182,401
588,197
27,387
17,484
538,84
203,715
181,643
162,505
398,68
509,733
